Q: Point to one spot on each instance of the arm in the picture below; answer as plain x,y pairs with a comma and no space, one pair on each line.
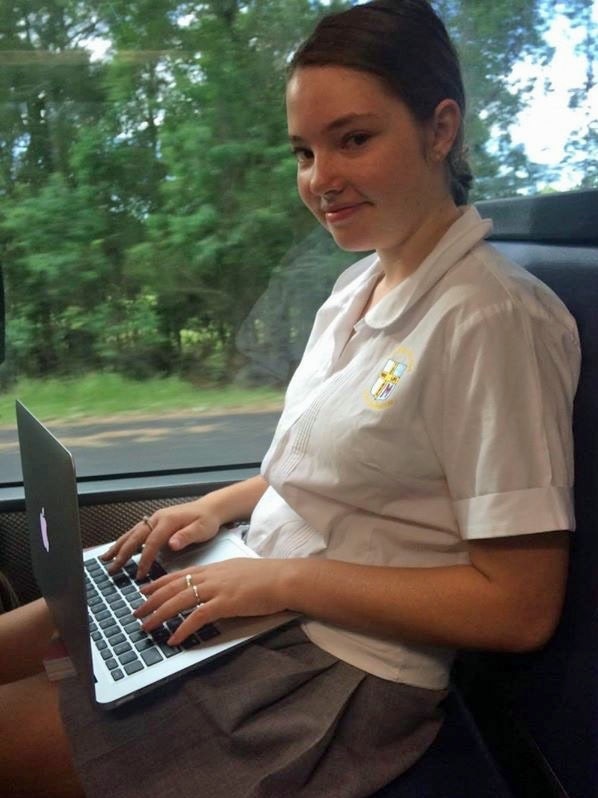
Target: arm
508,598
189,522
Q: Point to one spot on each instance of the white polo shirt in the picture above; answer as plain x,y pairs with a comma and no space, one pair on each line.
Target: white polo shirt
441,416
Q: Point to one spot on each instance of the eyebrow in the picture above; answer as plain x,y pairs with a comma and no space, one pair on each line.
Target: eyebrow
340,122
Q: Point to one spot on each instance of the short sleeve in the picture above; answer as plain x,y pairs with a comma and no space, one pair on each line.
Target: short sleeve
505,431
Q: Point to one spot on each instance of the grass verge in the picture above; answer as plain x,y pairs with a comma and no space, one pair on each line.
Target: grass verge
98,395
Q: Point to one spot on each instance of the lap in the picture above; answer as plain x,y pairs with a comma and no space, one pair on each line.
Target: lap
278,717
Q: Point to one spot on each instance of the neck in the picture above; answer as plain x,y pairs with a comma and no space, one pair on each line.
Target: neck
397,264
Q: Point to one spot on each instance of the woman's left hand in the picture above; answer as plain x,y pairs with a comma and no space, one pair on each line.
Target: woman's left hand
229,589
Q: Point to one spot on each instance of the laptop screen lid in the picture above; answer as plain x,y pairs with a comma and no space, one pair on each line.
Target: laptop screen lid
54,534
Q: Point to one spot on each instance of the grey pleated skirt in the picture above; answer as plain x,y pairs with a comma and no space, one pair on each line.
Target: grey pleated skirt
277,718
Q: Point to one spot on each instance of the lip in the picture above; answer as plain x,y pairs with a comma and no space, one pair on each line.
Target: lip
339,213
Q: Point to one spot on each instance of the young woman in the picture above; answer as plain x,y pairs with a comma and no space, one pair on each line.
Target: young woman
417,493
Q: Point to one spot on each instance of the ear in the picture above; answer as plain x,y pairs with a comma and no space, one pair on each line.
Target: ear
444,129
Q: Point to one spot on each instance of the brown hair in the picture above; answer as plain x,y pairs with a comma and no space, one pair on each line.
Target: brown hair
406,45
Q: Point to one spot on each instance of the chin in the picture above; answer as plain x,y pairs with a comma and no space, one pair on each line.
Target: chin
352,245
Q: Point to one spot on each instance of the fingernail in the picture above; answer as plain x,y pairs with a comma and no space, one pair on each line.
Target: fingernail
170,641
176,544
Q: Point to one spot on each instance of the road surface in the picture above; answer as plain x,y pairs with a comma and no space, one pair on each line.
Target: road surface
146,443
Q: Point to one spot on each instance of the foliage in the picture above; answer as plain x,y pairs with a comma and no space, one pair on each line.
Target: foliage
149,223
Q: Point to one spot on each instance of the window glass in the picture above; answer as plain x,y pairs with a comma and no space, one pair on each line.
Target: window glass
160,273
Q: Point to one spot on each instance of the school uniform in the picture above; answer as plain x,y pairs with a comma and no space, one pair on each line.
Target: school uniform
441,416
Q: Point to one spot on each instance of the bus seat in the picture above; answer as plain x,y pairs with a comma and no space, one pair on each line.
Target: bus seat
534,718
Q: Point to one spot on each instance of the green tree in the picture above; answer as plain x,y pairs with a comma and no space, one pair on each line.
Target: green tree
147,200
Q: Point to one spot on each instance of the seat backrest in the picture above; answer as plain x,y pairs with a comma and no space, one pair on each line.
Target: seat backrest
552,695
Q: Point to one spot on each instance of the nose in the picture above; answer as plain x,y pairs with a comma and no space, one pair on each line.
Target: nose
325,175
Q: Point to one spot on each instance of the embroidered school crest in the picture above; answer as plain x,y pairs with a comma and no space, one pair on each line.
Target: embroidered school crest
380,394
388,380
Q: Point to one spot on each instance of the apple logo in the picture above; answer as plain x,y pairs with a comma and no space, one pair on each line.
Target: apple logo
44,529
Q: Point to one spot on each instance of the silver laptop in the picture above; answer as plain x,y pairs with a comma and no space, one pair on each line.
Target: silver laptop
93,610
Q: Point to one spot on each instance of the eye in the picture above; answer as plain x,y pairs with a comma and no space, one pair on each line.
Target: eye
302,154
354,141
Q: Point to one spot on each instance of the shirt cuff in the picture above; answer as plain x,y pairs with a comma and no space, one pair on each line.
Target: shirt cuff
520,512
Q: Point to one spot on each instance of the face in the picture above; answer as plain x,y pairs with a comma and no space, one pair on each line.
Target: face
366,168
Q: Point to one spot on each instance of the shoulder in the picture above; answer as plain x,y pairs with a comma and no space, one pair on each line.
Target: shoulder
485,284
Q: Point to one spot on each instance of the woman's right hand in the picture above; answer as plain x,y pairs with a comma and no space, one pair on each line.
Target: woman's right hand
177,527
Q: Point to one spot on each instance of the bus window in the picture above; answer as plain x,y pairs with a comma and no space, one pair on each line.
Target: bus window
161,274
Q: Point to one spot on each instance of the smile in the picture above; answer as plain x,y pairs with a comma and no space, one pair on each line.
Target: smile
337,215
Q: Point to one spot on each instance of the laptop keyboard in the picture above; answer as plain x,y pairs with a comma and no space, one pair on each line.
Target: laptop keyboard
117,633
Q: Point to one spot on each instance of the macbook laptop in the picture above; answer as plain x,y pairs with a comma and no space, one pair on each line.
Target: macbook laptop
92,610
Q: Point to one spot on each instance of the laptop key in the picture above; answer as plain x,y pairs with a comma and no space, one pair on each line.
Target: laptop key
133,667
138,635
208,631
142,645
169,651
128,656
117,674
151,656
174,624
106,653
156,571
101,644
160,635
121,580
117,638
102,614
120,648
111,664
132,627
113,599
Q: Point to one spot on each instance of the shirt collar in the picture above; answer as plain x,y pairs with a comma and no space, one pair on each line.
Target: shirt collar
459,239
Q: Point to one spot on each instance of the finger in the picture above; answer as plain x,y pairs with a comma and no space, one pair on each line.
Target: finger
153,544
181,601
204,614
165,592
128,548
156,584
192,533
112,551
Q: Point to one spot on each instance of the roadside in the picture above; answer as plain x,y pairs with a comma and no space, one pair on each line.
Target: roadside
110,399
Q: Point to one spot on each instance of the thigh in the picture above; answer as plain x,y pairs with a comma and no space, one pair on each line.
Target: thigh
35,757
25,634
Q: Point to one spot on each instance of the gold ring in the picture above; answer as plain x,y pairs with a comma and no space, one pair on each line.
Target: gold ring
196,594
189,580
145,520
